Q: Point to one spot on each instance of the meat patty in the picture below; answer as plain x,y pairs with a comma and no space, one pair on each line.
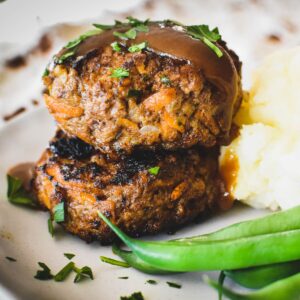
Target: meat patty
127,191
174,93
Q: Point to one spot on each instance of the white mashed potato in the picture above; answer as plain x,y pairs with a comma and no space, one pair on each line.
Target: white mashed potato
267,151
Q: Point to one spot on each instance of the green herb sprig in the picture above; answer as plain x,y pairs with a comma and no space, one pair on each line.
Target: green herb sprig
119,73
45,273
137,47
134,296
154,170
207,36
114,262
17,194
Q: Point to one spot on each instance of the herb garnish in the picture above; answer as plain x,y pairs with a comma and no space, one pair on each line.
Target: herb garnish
207,36
129,34
16,193
174,285
50,227
46,72
137,47
82,273
103,26
64,272
69,255
114,262
59,212
165,79
10,258
44,274
116,47
134,296
154,170
151,281
123,277
119,73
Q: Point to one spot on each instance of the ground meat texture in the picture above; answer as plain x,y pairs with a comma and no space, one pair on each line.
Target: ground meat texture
166,102
187,186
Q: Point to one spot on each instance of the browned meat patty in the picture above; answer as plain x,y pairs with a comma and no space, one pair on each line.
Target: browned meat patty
175,93
186,186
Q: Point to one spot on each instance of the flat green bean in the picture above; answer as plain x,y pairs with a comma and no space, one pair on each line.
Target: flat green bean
285,289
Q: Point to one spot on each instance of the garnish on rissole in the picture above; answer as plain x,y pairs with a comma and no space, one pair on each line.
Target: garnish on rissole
134,296
137,47
59,212
10,259
116,47
119,73
17,194
165,80
154,170
114,262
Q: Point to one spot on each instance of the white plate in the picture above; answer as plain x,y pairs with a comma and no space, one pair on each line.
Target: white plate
24,236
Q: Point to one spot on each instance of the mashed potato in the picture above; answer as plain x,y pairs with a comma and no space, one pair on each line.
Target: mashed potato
267,152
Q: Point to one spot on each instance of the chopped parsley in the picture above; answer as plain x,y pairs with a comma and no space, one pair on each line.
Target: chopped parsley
154,170
207,36
103,26
165,80
119,73
46,72
63,57
134,296
10,259
82,37
114,262
82,273
174,285
137,47
50,227
59,212
16,193
129,34
69,255
64,272
123,277
44,274
116,47
151,281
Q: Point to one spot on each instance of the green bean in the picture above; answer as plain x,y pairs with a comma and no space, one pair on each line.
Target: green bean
136,262
275,222
285,289
215,255
259,277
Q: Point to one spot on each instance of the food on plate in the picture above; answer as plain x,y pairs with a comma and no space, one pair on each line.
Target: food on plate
146,192
264,158
145,85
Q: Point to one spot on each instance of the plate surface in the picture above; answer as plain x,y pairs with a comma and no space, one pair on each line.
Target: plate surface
24,236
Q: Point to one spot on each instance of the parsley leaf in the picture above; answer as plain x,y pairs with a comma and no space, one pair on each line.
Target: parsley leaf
46,72
63,57
64,272
10,258
82,37
69,255
119,73
16,193
44,274
137,47
174,285
103,26
129,34
154,170
151,281
114,262
123,277
134,296
165,80
59,212
116,47
207,36
85,272
50,227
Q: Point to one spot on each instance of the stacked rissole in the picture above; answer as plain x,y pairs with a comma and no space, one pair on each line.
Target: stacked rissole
143,107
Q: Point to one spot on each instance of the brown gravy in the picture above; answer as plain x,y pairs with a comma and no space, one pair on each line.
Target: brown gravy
24,172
